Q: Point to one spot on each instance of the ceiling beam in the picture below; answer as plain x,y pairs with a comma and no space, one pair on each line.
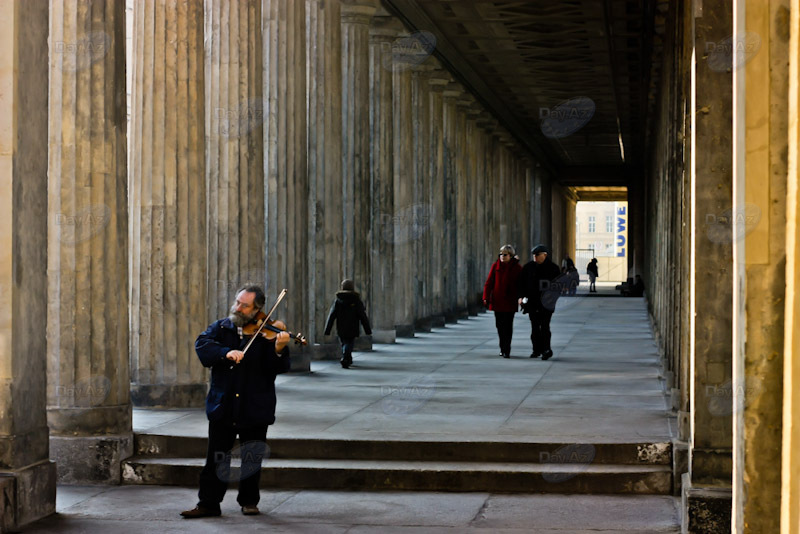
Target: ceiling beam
415,17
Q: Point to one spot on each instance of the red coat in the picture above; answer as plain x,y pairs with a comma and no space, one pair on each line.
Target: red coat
500,290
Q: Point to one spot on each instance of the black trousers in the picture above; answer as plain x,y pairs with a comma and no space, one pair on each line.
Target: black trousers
540,330
216,474
504,321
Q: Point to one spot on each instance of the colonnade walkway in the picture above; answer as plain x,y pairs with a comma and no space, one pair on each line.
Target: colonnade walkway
435,433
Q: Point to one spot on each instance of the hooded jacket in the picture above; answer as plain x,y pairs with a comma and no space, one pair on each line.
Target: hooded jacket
242,394
347,310
500,289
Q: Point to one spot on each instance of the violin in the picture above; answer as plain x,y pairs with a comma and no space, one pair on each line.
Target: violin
270,329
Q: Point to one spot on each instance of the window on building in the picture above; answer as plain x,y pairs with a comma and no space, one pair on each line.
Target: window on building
591,223
609,223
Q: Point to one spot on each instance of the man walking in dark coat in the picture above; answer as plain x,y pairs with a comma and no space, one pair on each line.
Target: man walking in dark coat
241,401
538,295
347,310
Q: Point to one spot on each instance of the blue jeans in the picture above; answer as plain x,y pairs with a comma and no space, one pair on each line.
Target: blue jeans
347,349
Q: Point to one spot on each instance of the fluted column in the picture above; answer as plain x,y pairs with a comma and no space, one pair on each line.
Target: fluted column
168,203
469,154
89,408
325,194
449,250
235,110
285,170
27,476
437,80
403,197
356,15
420,212
381,34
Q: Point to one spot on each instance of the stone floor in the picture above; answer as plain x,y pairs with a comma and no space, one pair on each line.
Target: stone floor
602,386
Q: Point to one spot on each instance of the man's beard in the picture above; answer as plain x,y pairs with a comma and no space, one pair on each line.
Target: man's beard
240,319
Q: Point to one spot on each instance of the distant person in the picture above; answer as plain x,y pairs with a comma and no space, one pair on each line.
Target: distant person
574,279
500,295
538,295
570,279
591,270
348,311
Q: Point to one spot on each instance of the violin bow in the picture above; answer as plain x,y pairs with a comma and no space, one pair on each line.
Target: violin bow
278,301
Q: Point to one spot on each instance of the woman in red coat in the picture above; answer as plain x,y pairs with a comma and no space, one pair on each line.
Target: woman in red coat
500,295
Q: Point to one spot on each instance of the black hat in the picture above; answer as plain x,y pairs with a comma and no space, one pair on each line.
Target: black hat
347,285
540,248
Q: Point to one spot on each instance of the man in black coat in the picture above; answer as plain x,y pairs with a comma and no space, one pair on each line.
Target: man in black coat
538,292
347,310
241,401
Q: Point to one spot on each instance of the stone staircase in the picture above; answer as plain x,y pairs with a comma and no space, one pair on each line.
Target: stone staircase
457,466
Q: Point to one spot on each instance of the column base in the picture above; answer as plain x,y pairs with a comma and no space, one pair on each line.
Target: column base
474,309
706,510
301,358
404,330
27,495
90,459
169,396
363,343
384,336
437,321
324,351
422,325
680,464
451,317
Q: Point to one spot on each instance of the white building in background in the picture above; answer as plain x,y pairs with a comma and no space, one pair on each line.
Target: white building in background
601,231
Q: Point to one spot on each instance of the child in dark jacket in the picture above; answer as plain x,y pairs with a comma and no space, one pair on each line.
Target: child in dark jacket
347,310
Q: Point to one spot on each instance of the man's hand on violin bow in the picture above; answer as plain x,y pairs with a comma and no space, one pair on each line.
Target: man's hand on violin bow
235,355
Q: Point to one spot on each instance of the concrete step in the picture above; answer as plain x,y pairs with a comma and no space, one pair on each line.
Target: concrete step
163,446
365,475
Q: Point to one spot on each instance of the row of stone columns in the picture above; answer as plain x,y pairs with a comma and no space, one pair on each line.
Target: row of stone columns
252,158
719,289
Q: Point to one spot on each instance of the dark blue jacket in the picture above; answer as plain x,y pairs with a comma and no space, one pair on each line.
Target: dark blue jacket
241,394
347,310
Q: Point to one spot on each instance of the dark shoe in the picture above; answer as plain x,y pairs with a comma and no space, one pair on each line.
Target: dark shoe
505,355
547,355
534,354
250,510
199,511
345,363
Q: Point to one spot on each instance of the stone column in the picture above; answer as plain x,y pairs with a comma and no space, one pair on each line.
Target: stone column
437,80
403,176
88,383
462,203
474,260
284,37
381,34
420,229
235,110
449,247
168,204
326,198
760,252
356,15
706,488
790,457
27,476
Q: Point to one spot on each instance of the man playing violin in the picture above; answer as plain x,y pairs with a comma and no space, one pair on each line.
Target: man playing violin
240,401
